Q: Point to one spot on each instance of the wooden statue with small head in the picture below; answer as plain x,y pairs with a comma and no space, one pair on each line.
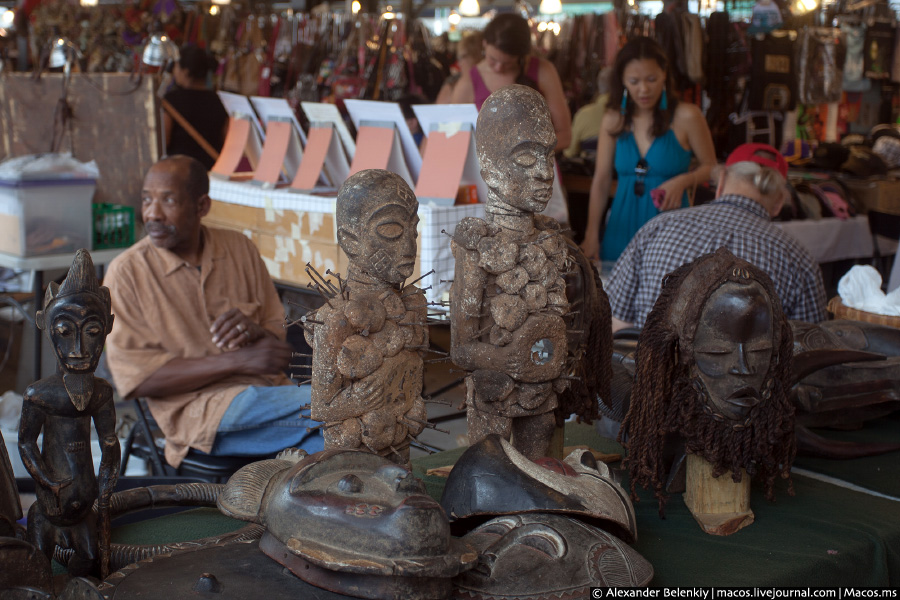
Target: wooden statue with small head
76,318
508,299
368,338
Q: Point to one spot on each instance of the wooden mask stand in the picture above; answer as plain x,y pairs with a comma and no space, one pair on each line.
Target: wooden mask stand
718,504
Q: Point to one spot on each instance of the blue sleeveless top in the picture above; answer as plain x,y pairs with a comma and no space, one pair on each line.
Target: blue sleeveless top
666,158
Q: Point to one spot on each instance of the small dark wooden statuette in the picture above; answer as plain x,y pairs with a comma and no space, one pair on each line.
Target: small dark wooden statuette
10,507
76,318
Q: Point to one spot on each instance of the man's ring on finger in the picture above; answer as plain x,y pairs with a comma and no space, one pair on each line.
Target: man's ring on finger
241,328
247,333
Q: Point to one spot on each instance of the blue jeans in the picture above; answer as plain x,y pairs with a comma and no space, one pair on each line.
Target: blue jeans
266,420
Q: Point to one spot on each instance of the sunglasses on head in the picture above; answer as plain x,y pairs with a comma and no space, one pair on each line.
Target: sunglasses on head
639,171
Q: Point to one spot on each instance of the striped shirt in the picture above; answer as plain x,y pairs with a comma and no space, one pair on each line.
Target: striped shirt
735,222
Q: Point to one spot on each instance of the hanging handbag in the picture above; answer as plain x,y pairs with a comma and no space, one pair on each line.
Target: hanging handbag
426,73
347,81
820,65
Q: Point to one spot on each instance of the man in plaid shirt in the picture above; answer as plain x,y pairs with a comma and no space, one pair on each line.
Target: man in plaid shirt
751,191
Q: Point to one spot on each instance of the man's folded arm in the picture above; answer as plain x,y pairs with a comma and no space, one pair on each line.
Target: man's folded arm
183,375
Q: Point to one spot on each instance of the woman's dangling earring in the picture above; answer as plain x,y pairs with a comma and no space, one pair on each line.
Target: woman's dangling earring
664,101
624,101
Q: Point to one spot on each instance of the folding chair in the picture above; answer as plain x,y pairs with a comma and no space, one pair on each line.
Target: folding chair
146,440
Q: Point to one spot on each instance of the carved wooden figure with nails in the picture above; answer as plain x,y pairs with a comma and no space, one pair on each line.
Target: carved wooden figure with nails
368,337
508,297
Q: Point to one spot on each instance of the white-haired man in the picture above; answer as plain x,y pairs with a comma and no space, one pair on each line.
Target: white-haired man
752,190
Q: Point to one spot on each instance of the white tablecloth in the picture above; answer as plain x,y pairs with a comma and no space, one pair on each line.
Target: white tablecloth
832,239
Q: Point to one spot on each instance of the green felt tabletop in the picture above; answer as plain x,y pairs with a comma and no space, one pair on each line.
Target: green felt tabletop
181,527
877,473
823,535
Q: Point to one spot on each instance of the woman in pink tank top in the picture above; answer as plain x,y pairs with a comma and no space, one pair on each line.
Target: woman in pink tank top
508,60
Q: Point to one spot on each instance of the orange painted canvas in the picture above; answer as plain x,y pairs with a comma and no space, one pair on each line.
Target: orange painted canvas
233,149
373,148
271,163
443,164
317,145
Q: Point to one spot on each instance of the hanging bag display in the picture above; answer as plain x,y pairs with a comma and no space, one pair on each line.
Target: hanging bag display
265,75
395,82
772,73
854,61
426,74
693,46
820,64
348,80
243,62
878,52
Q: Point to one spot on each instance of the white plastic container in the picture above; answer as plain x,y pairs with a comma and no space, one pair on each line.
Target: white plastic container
45,216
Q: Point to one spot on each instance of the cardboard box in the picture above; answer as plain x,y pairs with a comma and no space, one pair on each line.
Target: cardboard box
45,216
882,195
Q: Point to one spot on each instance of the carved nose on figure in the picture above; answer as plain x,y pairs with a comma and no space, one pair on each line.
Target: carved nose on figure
741,365
409,249
75,352
545,169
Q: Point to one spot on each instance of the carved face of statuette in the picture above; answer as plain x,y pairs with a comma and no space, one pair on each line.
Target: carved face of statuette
528,169
733,347
388,243
77,326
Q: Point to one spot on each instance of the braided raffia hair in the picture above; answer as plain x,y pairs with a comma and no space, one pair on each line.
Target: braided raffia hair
590,352
666,401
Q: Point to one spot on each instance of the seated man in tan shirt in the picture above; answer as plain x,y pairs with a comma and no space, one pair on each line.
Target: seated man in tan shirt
199,328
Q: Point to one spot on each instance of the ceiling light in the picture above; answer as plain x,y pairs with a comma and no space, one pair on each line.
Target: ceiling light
62,53
469,8
550,7
159,50
355,6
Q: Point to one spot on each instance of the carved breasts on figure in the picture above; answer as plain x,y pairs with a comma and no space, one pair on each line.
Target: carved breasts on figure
508,299
368,338
76,318
713,367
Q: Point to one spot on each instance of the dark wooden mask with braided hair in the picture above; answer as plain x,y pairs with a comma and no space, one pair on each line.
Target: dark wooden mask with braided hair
713,363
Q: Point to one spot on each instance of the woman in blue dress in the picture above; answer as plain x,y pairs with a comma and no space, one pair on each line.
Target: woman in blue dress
649,138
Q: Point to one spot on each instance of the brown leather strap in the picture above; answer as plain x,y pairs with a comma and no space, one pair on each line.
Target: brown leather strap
190,129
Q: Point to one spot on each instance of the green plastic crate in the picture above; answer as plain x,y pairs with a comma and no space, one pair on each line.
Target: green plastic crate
113,226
